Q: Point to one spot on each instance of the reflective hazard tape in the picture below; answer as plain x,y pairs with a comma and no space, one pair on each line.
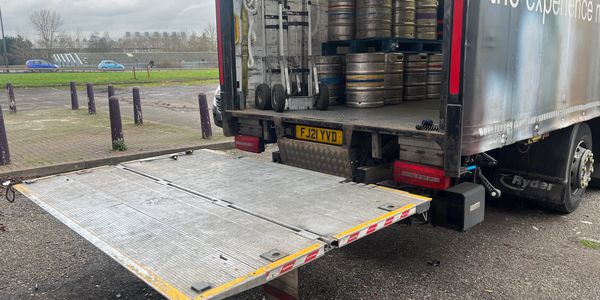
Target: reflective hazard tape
270,271
295,263
375,225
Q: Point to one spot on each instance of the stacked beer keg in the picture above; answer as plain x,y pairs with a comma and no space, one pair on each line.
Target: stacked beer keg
342,20
426,19
404,17
415,77
373,19
365,19
365,80
434,76
331,71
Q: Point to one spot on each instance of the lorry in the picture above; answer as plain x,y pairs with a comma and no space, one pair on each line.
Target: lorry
518,116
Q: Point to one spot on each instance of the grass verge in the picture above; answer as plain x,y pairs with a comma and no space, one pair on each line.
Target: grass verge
24,80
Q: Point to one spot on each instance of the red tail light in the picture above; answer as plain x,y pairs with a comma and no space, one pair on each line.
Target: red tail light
250,144
419,175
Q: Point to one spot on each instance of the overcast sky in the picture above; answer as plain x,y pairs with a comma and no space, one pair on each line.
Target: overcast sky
114,16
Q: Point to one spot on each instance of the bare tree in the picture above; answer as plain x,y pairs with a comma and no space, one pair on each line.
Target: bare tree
210,33
47,24
79,39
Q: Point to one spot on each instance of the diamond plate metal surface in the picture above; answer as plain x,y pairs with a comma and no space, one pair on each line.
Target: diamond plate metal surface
332,160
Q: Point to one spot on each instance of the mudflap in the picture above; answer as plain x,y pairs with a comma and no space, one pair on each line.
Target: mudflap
538,171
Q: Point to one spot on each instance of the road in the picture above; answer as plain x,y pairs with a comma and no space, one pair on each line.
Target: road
519,252
174,105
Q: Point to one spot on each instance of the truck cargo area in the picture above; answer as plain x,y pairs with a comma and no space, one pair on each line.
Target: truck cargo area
210,225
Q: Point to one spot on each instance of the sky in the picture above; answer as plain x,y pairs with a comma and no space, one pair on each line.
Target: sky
114,16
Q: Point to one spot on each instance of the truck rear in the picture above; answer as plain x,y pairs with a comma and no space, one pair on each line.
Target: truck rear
513,110
516,76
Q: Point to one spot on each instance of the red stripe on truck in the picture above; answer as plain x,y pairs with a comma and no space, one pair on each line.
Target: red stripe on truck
457,37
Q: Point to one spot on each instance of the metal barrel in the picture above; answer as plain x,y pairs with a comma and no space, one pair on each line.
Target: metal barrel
365,80
373,19
394,78
404,18
415,77
426,19
434,76
331,71
342,20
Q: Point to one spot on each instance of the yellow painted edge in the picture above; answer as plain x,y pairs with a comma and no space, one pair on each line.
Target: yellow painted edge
222,288
154,280
161,285
376,220
22,189
428,199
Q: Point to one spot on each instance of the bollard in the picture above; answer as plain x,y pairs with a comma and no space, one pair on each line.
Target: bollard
204,117
111,91
4,152
137,107
91,99
134,73
11,98
116,125
148,69
74,99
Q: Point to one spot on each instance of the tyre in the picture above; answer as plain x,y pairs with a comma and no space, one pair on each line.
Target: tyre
278,98
580,169
262,97
322,102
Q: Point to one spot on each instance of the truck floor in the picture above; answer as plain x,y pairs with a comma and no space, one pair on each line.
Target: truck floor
394,118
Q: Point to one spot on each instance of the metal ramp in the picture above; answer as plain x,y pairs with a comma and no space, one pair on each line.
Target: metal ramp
209,225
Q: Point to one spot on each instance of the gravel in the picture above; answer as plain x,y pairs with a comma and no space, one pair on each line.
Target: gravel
519,252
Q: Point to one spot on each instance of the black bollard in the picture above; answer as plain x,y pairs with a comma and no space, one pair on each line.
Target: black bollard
116,125
11,97
204,117
111,91
91,99
4,152
74,99
137,107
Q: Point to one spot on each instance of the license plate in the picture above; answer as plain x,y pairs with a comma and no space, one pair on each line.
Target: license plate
320,135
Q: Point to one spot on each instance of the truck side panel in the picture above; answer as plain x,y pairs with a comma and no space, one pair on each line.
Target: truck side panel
529,69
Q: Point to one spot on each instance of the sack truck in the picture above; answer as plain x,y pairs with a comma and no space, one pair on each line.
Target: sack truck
514,112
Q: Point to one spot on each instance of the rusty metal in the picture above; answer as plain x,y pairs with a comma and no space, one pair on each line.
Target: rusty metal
116,125
137,107
11,97
91,99
204,117
74,98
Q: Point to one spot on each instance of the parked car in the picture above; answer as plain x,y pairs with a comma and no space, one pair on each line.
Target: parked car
40,64
217,114
110,65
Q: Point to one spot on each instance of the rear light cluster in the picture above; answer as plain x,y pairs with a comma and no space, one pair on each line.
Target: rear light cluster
249,144
420,175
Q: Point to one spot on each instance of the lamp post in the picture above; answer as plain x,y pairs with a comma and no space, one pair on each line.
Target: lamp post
3,40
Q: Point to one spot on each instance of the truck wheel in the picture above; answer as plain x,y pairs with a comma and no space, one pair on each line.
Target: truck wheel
581,167
278,98
262,97
322,102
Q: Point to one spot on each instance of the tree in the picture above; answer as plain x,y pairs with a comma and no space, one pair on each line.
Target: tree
47,24
79,39
18,50
210,36
64,41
